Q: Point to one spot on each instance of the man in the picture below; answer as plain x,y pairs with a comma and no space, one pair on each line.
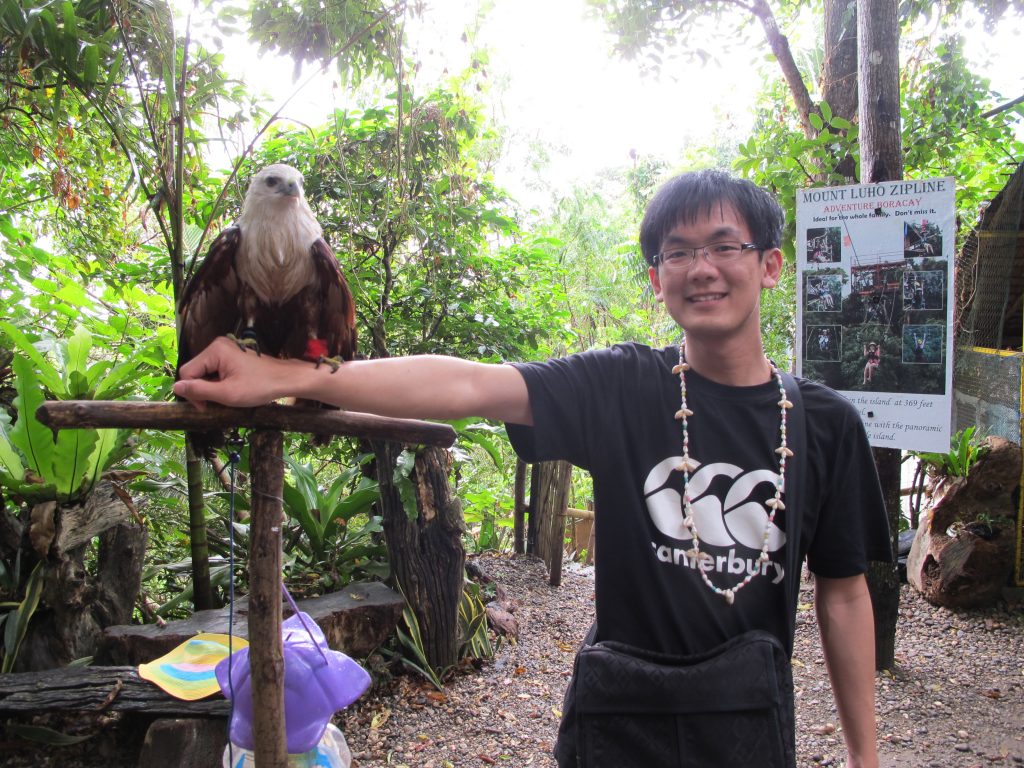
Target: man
683,445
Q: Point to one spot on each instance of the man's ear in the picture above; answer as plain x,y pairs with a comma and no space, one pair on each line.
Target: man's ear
771,268
652,274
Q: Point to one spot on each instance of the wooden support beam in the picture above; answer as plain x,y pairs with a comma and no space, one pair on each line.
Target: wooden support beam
266,648
74,414
266,458
579,514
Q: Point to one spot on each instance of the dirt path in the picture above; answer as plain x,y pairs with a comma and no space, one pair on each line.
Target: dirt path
956,698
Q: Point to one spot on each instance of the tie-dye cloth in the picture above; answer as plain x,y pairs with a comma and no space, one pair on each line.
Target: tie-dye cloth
187,672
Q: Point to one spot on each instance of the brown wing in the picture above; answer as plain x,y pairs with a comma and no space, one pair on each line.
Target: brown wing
337,324
209,303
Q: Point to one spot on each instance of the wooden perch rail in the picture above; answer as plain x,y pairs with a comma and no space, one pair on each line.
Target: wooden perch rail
75,414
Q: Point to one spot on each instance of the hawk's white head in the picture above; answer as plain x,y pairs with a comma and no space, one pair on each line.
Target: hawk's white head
278,229
275,200
275,189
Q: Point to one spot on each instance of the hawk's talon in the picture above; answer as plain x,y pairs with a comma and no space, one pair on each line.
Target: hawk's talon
334,362
247,342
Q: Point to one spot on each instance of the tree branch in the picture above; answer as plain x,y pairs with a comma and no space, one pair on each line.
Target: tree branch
780,47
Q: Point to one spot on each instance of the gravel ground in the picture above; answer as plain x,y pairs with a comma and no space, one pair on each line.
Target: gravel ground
956,697
955,700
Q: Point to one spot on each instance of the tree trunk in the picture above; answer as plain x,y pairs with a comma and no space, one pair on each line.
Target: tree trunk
839,72
839,69
881,153
882,160
202,592
790,71
426,553
883,578
76,605
549,492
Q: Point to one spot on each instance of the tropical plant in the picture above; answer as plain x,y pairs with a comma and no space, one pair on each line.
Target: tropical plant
966,447
333,534
474,642
41,468
412,651
15,621
37,463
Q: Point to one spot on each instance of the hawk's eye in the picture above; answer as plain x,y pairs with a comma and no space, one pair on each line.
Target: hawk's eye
272,181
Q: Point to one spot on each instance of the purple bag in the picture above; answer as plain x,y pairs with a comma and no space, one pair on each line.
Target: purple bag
317,683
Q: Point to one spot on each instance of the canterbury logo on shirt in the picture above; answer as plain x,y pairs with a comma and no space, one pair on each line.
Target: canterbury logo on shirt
731,527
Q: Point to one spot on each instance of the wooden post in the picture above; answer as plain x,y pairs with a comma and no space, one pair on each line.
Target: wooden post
545,534
266,648
519,508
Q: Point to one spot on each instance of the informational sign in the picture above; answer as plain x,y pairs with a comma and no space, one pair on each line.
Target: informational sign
875,304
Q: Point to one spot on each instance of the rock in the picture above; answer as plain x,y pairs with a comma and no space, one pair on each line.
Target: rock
171,743
963,551
502,621
355,620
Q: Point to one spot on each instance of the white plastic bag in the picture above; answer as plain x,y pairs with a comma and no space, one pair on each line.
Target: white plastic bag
331,752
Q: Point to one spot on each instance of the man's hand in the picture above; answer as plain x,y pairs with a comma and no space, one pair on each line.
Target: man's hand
223,373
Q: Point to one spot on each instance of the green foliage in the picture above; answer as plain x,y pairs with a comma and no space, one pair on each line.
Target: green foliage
15,622
475,639
316,32
946,134
487,512
474,642
338,540
604,295
415,655
481,459
966,447
37,464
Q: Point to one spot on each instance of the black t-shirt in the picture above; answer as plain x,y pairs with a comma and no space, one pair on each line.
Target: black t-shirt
612,412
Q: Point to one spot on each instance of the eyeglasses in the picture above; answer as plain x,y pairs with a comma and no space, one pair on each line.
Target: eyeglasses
715,253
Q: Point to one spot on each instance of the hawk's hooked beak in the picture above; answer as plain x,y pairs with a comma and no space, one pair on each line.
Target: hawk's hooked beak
291,189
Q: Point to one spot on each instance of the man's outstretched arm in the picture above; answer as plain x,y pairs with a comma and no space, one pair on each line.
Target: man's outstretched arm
422,387
846,623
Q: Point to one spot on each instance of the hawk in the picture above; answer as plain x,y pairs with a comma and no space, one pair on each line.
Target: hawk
271,282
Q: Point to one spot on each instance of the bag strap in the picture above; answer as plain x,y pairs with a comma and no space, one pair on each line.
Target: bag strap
796,470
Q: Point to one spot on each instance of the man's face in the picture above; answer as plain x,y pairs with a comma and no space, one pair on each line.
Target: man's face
716,302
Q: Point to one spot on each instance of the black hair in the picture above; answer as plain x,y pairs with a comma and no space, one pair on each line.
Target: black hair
691,195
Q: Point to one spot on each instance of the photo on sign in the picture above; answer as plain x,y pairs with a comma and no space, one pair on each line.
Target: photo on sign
823,343
923,344
824,245
823,293
924,289
877,287
870,351
922,239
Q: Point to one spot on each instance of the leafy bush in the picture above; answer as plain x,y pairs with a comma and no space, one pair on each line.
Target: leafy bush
966,447
332,532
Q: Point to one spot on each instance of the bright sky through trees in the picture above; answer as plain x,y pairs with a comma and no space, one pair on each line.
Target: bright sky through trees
568,103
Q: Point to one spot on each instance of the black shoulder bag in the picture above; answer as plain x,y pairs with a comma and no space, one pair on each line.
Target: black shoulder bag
730,707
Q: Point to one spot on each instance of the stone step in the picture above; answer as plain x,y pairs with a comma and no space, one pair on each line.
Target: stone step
355,620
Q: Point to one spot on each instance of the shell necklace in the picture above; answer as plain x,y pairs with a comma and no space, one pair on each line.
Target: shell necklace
687,465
